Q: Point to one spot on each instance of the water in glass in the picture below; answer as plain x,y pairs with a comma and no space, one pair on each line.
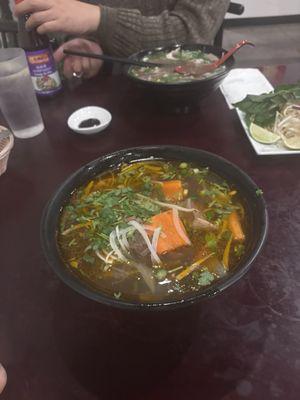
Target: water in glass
18,101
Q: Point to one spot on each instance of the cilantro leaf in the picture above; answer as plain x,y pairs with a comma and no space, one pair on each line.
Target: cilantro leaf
205,278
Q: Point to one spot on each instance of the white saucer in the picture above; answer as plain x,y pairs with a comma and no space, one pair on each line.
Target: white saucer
85,113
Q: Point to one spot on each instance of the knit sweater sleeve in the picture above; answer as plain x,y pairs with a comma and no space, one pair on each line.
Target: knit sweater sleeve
123,31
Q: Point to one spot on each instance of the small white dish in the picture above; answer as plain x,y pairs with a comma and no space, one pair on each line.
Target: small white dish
86,113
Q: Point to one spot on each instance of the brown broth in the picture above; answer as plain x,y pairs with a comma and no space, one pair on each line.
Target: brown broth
99,242
166,73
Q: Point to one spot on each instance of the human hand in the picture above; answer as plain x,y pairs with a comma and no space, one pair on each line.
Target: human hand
3,378
81,66
63,16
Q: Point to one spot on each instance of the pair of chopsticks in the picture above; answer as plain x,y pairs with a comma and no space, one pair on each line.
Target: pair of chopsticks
126,61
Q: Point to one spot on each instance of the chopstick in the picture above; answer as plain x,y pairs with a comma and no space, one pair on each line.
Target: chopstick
111,59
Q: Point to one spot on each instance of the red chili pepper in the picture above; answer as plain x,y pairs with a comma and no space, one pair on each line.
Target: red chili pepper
179,69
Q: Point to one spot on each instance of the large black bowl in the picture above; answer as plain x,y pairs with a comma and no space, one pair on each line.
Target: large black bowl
254,204
180,97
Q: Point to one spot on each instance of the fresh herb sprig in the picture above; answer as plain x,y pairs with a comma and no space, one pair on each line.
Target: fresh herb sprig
262,109
103,211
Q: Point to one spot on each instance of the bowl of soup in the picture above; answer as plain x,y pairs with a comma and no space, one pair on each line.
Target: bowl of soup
154,227
173,91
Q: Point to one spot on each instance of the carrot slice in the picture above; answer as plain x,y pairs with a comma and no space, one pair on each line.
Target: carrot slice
172,190
192,267
235,227
169,239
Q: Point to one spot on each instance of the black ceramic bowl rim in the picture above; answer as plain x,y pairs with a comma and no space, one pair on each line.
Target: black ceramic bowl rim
218,51
217,164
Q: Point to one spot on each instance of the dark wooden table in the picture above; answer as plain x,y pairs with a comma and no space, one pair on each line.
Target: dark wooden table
57,345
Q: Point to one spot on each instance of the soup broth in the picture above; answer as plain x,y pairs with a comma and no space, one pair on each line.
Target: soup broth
167,74
153,231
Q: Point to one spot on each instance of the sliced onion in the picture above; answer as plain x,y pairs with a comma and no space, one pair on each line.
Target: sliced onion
151,229
109,255
155,238
114,246
284,121
292,109
178,227
124,239
143,233
171,54
100,256
167,205
278,118
289,130
119,237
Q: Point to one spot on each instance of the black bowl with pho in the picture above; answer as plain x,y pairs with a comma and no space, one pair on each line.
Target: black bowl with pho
178,94
253,203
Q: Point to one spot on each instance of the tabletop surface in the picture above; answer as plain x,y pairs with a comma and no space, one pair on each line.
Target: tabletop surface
58,345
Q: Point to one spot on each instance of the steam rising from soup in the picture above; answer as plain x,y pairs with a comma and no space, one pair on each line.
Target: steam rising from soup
153,231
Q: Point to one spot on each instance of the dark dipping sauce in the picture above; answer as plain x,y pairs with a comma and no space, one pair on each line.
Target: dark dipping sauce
89,123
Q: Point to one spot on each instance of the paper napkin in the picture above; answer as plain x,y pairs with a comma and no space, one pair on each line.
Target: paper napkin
242,81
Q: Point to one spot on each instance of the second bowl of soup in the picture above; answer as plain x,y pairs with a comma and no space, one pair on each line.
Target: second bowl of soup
171,90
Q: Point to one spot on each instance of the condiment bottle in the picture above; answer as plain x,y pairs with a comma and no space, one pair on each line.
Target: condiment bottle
45,77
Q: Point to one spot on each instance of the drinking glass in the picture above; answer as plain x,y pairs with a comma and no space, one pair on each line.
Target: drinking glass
18,101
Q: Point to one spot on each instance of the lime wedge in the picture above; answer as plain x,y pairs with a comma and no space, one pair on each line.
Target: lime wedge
262,135
292,142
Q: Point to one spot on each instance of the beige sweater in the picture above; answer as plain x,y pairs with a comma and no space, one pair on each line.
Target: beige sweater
128,26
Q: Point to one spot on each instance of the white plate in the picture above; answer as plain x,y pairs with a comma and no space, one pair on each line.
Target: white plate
236,86
84,113
261,149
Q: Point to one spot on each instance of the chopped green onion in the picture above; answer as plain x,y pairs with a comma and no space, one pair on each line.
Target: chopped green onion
160,274
183,165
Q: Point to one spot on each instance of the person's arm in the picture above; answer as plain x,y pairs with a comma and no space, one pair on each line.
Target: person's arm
3,378
82,66
125,31
71,17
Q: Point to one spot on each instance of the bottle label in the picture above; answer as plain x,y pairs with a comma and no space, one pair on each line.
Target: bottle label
46,79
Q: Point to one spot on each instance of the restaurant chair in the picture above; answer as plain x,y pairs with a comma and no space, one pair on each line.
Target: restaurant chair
8,33
8,27
234,8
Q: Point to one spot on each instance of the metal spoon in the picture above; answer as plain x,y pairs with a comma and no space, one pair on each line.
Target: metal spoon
192,68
